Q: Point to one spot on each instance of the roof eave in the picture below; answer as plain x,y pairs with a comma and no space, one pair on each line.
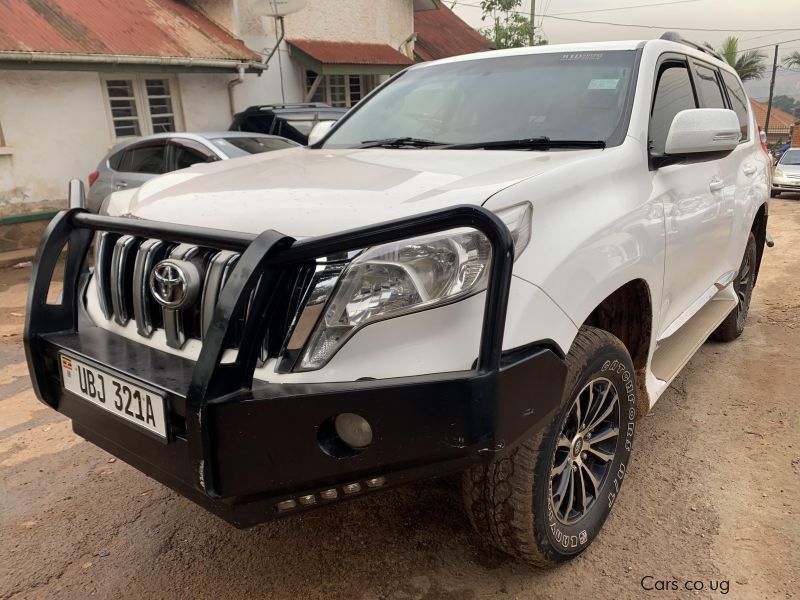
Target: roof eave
313,64
110,62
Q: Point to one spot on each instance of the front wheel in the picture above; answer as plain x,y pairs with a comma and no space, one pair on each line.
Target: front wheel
545,500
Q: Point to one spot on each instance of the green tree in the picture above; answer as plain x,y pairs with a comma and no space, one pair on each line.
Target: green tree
749,64
510,27
785,103
793,60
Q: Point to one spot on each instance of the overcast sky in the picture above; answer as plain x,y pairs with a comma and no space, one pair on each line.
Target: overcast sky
726,15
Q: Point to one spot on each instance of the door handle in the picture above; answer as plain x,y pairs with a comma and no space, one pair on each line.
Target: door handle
716,184
748,169
122,185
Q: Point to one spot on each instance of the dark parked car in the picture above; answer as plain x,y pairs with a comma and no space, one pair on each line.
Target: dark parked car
293,121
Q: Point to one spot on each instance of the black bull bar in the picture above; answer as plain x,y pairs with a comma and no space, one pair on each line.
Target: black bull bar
246,448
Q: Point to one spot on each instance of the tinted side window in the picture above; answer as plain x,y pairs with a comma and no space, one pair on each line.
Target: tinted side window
738,102
186,153
115,160
708,87
673,94
144,159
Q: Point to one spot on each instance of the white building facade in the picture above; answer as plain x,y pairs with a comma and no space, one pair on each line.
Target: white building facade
67,97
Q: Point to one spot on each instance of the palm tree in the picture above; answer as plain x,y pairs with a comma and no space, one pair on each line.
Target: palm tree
749,64
793,60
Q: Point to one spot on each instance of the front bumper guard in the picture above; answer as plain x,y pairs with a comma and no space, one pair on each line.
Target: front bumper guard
247,450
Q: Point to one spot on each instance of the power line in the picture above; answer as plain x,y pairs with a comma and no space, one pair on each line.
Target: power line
671,28
768,45
659,27
597,10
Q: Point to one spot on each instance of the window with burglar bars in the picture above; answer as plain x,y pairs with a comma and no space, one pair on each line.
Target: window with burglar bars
340,90
142,104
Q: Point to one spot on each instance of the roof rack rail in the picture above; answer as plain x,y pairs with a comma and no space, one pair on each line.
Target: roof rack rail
672,36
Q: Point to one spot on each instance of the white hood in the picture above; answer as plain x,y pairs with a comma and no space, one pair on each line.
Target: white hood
302,192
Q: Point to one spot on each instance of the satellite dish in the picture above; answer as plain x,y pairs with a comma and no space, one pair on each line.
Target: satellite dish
281,8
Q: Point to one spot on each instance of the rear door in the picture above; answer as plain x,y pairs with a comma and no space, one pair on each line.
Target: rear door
745,171
719,214
140,163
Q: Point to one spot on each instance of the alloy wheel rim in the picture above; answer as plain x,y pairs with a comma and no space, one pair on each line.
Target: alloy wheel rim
584,451
744,287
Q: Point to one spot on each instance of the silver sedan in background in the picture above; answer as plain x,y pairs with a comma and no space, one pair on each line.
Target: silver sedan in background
131,163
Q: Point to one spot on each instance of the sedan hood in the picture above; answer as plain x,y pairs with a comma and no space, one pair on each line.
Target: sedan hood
303,192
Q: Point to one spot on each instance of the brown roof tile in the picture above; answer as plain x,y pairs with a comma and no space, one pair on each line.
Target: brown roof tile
441,33
162,28
778,119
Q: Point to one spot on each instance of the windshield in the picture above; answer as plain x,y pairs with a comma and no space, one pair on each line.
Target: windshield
242,146
790,157
561,96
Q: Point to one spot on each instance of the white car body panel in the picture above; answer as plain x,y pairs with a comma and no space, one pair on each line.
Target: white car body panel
601,219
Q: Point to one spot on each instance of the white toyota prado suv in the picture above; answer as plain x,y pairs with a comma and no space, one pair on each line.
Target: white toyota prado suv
493,265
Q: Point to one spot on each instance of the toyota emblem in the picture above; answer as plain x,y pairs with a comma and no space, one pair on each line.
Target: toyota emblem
175,284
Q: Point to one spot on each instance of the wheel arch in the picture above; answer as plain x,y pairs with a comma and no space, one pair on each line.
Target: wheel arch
627,313
759,230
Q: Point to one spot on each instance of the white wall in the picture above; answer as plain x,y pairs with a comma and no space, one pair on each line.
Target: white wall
367,21
56,124
204,98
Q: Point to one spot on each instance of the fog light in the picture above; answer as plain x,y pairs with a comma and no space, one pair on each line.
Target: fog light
286,505
329,494
352,488
376,482
353,430
307,500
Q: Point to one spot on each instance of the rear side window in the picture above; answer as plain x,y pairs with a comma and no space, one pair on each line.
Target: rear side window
673,94
115,160
708,87
143,159
738,103
186,153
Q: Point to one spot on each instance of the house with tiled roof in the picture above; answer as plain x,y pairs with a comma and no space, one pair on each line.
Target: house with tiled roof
440,33
77,76
781,123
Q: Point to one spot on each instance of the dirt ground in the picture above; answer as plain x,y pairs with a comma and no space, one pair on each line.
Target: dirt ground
712,496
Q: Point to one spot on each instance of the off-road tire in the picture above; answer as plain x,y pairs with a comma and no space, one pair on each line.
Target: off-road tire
510,500
733,325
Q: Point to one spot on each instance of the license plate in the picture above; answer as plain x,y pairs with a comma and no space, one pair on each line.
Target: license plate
122,398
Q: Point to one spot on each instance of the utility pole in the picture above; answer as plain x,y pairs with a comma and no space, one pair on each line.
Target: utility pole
771,90
533,20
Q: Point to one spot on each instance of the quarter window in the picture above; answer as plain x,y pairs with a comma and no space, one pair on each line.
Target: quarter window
673,94
738,103
708,87
141,105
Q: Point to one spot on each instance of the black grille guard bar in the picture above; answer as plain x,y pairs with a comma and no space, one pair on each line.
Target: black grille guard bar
263,257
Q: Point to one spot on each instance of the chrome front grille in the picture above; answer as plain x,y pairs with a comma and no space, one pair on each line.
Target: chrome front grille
124,263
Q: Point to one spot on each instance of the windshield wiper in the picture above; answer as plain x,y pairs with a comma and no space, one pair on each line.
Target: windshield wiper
399,142
537,143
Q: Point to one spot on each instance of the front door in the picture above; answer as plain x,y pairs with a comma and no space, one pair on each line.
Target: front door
692,194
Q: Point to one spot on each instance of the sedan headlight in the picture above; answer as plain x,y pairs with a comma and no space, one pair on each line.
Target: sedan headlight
407,276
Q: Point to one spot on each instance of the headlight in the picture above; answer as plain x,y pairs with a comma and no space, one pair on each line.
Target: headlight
407,276
778,173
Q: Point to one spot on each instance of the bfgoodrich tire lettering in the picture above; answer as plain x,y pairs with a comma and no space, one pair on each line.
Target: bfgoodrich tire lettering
511,501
